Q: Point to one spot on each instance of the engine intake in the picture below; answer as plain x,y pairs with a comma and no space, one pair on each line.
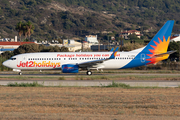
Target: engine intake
69,68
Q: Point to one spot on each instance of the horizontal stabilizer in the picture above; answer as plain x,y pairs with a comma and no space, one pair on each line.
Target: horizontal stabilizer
169,52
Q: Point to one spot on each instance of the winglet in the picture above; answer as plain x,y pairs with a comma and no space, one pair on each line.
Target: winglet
113,55
111,50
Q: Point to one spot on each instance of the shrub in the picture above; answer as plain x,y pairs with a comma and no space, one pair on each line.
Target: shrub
34,84
121,85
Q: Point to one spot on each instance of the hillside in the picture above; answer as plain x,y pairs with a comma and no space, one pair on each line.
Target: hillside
77,18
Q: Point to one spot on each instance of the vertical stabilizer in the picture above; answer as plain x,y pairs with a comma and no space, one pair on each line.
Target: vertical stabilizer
158,45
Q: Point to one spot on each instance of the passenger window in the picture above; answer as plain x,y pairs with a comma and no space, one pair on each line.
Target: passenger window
44,58
54,58
49,58
59,58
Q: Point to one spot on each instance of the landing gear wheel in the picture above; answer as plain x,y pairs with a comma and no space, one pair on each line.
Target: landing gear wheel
20,73
89,73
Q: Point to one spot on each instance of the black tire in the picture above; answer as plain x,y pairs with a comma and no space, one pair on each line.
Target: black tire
89,73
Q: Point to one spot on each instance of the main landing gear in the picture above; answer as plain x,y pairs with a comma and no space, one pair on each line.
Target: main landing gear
20,73
89,73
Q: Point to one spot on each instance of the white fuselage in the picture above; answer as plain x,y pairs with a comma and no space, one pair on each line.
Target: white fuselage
54,60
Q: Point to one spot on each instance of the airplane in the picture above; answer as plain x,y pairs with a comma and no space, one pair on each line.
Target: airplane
73,62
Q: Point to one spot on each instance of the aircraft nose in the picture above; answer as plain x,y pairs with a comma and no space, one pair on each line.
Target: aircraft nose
5,63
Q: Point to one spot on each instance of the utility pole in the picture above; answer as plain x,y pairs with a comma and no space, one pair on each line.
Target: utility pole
82,45
99,46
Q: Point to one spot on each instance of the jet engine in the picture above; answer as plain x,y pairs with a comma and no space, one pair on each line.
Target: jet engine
70,68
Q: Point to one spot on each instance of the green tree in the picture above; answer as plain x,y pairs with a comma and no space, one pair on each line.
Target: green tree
132,36
27,48
25,28
174,46
64,49
30,28
19,28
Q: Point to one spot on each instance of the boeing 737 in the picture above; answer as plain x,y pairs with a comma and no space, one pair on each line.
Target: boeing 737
72,62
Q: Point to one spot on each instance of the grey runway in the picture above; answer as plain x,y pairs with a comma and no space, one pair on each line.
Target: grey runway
84,74
133,83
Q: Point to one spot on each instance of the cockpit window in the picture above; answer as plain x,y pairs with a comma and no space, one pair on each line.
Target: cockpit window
13,58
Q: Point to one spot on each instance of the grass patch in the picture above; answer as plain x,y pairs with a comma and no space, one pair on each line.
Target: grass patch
34,84
121,85
79,78
62,78
98,78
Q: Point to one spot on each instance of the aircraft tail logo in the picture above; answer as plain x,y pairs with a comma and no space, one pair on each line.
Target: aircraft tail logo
159,48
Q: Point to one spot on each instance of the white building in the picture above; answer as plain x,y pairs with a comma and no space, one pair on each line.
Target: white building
175,38
91,39
126,33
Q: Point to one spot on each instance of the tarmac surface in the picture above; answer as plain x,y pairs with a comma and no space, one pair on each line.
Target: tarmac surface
133,83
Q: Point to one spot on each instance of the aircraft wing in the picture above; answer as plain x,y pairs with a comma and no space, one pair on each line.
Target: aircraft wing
95,62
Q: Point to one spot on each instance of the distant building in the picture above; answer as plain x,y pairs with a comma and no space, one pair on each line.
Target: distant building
175,38
91,39
126,33
102,47
10,46
66,42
